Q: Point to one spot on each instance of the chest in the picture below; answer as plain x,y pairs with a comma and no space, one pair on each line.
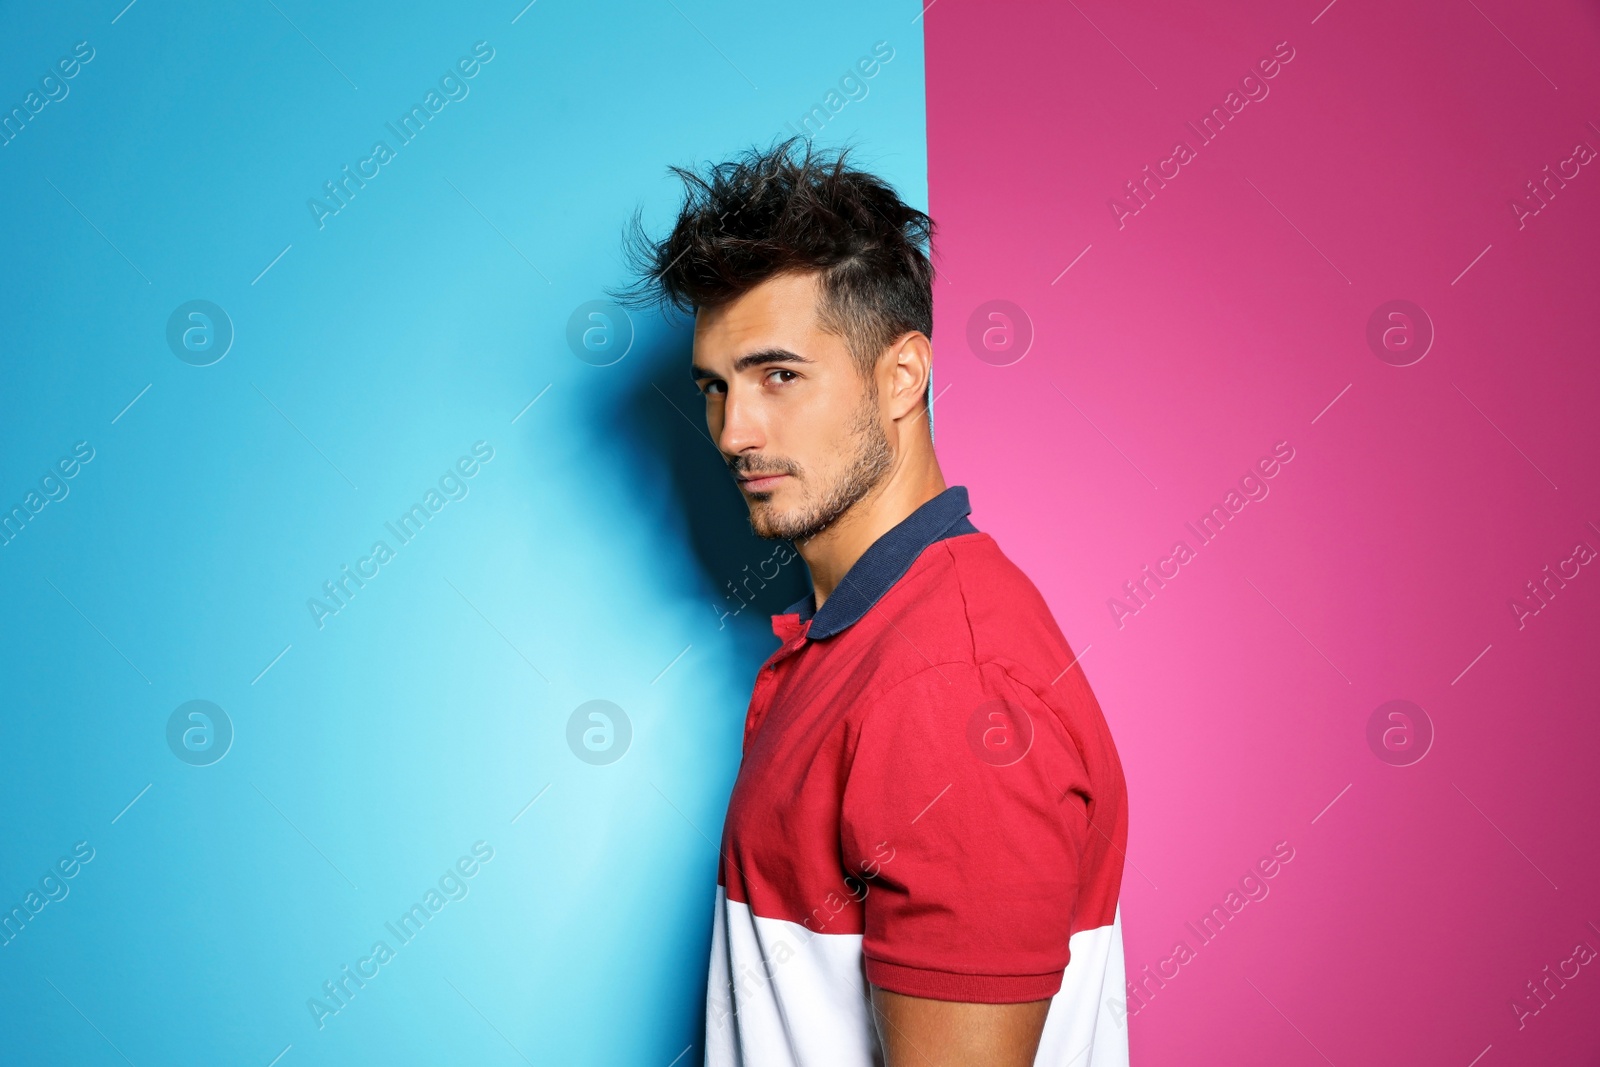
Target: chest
781,850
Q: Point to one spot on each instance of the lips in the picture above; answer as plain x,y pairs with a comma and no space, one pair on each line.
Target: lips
760,482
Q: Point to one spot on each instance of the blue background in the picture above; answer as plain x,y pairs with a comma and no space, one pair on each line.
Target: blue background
591,559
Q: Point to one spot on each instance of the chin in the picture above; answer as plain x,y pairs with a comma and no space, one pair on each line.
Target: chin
769,522
764,524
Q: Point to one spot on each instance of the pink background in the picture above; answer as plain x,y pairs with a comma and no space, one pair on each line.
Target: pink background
1214,324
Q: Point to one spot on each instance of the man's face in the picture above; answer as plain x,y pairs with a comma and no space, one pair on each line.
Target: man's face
793,418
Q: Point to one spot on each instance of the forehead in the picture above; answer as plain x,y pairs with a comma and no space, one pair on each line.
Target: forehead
780,312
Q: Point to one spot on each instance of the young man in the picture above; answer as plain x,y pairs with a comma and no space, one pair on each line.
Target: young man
924,846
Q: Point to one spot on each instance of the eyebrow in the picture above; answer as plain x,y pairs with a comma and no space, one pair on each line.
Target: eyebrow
752,359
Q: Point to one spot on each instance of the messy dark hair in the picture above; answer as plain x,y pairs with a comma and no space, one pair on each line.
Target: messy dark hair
794,208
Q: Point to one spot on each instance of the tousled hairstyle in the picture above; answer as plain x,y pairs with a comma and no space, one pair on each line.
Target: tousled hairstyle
793,208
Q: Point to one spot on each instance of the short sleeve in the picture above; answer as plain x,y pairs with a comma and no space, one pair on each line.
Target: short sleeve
965,815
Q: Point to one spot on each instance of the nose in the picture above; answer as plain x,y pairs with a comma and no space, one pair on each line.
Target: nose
741,429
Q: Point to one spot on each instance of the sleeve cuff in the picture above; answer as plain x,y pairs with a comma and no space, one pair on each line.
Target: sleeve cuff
970,988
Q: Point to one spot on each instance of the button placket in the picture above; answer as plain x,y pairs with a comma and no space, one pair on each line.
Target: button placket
767,679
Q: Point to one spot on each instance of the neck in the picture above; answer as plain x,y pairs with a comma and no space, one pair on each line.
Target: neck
912,482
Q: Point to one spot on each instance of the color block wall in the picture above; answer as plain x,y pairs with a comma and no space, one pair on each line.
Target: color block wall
1262,355
371,582
309,419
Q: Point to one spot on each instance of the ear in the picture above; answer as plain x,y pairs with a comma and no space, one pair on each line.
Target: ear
903,374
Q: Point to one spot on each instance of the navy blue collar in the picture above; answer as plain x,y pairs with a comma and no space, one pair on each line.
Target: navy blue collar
886,562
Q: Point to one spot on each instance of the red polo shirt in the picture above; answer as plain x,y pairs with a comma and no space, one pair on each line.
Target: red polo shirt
930,802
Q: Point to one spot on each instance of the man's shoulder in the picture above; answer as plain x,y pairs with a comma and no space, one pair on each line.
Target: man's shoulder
980,555
975,558
966,597
995,594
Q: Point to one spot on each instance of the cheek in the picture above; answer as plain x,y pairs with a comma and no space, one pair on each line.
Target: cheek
713,415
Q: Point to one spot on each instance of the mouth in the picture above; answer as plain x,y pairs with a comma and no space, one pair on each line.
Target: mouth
760,483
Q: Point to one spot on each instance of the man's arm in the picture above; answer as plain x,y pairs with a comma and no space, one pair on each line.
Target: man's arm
917,1032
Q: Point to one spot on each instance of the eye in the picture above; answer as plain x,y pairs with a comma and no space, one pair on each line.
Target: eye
781,370
711,387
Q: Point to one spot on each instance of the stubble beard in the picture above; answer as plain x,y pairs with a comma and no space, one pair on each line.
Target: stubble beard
871,460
